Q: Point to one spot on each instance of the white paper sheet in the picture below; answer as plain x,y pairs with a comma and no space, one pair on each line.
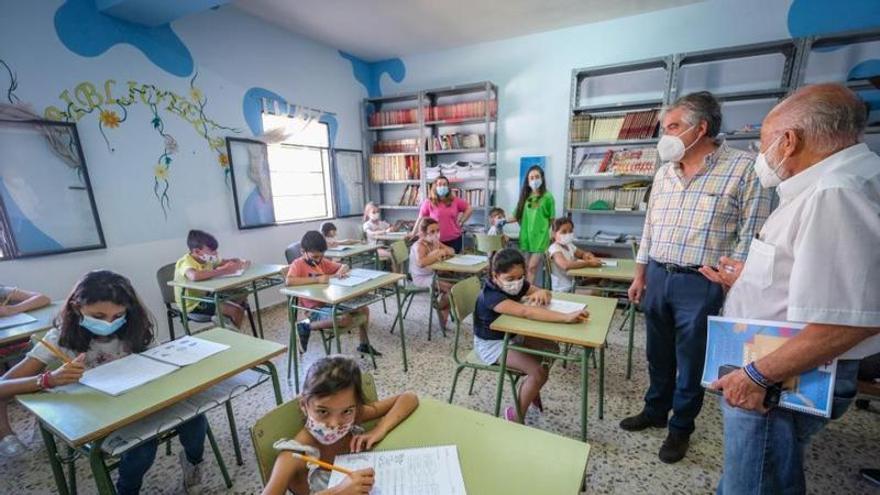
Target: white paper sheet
366,273
184,351
236,273
16,320
467,259
122,375
349,281
561,306
425,471
609,262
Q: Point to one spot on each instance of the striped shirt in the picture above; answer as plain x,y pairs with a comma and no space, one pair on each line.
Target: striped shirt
715,213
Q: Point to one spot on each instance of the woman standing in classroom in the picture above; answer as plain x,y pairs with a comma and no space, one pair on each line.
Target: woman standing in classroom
450,211
534,212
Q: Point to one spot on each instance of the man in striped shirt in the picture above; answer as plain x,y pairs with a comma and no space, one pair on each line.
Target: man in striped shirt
706,202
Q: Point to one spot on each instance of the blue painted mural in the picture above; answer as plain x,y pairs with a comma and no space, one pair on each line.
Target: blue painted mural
369,74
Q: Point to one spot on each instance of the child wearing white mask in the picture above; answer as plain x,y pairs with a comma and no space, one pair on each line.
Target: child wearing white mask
424,253
564,255
373,223
335,407
507,292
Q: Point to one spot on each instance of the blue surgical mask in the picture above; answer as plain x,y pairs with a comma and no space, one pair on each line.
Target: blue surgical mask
442,190
535,184
101,327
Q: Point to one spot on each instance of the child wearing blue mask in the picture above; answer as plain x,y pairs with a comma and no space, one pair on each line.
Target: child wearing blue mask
102,320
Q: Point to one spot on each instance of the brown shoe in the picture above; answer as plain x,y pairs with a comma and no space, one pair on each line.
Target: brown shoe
642,421
674,447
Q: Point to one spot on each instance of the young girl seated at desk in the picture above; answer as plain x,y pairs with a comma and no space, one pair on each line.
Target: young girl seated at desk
102,320
507,292
424,253
334,405
564,255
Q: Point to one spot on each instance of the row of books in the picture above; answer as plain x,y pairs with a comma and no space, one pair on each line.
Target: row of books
627,197
631,125
410,145
462,111
456,141
641,161
410,196
384,168
394,117
474,197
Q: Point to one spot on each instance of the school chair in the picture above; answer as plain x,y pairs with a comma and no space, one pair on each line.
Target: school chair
548,284
292,252
285,421
463,300
164,275
488,244
400,264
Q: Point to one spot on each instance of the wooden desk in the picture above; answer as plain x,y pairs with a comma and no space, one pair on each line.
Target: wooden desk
83,417
220,289
353,252
624,272
589,335
44,316
496,456
335,296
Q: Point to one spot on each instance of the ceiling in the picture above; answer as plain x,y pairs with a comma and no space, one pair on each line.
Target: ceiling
380,29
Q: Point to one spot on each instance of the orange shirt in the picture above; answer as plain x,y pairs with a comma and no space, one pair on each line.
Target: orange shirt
300,269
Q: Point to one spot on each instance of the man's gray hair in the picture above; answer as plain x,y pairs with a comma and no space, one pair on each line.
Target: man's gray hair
699,106
830,117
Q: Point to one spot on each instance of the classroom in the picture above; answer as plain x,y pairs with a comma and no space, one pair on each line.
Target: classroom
439,248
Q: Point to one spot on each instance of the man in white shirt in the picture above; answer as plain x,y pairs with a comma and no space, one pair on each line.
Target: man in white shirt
815,261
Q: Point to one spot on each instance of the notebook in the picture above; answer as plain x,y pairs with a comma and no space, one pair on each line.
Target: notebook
349,281
561,306
467,260
423,471
16,320
124,374
184,351
236,273
366,273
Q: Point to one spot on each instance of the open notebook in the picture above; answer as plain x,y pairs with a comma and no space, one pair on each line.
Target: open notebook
424,470
467,259
16,320
120,376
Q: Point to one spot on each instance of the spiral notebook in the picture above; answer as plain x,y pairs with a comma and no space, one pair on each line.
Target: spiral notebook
423,470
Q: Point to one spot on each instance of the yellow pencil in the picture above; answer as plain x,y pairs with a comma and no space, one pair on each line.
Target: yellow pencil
60,355
319,462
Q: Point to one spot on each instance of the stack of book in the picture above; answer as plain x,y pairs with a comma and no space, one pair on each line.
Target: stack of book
462,111
594,163
582,199
474,197
640,161
410,196
456,141
631,125
394,117
396,146
385,168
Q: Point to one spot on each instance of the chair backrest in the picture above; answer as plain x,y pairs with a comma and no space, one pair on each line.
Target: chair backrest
292,252
399,256
463,302
635,249
548,270
164,275
285,421
488,244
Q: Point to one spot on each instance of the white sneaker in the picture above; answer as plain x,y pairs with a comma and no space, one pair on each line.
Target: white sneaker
11,446
192,474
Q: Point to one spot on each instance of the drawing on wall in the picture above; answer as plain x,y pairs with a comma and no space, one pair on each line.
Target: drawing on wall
112,110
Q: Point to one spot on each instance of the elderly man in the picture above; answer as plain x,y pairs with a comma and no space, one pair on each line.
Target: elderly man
816,261
706,203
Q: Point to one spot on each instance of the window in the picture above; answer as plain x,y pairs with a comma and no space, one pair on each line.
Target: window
46,201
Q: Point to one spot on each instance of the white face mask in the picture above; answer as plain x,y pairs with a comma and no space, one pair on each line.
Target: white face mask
769,176
672,148
513,287
535,184
433,238
326,435
374,216
566,239
210,259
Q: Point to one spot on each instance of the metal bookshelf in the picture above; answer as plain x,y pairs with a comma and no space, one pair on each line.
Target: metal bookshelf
387,193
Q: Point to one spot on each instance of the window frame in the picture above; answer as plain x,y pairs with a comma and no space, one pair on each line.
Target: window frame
336,182
6,231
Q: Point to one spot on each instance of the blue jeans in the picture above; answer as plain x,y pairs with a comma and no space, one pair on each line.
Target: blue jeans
676,306
135,463
764,453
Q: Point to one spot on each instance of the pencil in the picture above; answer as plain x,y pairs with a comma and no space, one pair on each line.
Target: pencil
60,355
320,463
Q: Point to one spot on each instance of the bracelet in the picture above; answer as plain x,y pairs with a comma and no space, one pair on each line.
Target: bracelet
756,376
43,381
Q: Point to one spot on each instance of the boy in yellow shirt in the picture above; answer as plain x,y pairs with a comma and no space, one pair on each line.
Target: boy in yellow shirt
202,263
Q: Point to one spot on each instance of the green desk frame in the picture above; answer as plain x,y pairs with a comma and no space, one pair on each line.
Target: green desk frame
364,254
451,272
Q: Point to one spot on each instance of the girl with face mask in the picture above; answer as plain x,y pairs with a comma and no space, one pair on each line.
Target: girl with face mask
334,406
507,292
534,212
424,253
564,255
103,319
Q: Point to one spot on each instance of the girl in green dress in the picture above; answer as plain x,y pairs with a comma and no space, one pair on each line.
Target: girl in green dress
534,212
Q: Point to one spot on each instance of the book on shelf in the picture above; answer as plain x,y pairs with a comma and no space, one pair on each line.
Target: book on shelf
640,161
394,117
455,141
462,111
605,237
624,197
390,168
410,196
410,145
630,125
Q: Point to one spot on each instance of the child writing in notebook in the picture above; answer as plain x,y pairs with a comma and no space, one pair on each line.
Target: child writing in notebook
328,230
12,302
507,292
203,263
103,319
424,253
564,255
313,268
334,405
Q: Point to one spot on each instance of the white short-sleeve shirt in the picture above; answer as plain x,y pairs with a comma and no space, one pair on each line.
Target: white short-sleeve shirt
817,258
560,280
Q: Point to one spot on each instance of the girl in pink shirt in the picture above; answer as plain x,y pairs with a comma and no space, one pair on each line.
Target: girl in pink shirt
449,211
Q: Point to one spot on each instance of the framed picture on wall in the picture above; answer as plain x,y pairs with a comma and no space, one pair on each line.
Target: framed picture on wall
351,192
251,182
46,201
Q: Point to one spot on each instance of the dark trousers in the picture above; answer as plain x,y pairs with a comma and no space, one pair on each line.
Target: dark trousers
676,305
456,244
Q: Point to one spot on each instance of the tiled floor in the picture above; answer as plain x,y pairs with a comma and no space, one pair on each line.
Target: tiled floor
620,462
